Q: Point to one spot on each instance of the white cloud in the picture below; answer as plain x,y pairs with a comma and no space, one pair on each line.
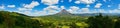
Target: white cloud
32,13
101,11
85,10
27,9
51,9
94,11
87,1
73,9
114,11
70,0
31,5
98,5
77,2
88,6
50,2
46,11
104,0
11,6
61,0
23,12
109,5
77,10
40,13
28,6
23,9
62,7
119,6
27,12
2,7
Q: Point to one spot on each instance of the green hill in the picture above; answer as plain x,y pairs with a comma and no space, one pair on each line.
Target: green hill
62,19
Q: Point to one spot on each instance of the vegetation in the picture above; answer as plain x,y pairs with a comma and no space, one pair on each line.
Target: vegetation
16,20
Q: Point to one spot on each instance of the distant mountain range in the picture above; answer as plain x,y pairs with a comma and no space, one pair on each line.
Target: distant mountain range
66,13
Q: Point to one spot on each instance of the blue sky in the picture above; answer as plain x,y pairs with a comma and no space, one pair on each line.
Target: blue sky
48,7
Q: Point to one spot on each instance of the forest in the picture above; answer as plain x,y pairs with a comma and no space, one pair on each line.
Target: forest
17,20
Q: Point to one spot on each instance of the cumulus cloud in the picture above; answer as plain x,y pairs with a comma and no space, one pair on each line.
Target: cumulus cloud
23,9
104,0
101,11
78,10
61,0
11,6
86,10
46,11
119,6
109,5
73,9
77,2
87,1
98,5
94,11
27,9
2,7
31,5
70,0
114,11
51,9
32,13
23,12
50,2
62,7
88,6
29,13
40,13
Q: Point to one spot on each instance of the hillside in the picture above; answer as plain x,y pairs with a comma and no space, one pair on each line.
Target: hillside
12,19
62,19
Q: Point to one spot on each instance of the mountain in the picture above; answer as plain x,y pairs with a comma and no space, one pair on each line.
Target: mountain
66,13
87,14
94,14
12,14
63,12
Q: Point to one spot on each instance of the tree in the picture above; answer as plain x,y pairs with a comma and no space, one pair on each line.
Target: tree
100,22
1,18
117,23
9,22
35,24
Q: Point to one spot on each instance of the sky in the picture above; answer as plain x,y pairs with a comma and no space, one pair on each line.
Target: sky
49,7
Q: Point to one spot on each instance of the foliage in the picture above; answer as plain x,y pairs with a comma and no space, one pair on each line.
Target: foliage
17,20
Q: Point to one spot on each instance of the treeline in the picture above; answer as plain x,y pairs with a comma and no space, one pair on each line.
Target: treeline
101,21
16,20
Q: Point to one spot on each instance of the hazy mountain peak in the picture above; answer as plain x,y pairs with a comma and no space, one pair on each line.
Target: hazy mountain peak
63,12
